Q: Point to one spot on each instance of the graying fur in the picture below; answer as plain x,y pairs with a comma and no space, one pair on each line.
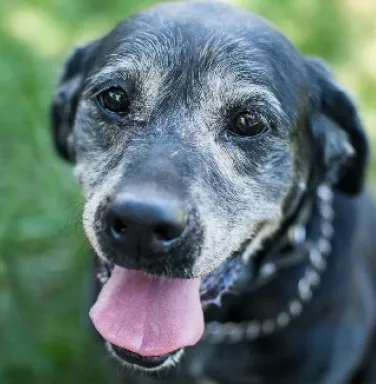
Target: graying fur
232,211
190,68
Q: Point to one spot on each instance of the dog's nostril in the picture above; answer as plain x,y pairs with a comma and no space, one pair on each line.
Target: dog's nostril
118,228
167,232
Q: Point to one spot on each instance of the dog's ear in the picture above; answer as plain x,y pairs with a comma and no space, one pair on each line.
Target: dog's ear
65,99
337,130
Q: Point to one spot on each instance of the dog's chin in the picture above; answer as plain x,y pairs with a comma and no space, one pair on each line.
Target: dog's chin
142,364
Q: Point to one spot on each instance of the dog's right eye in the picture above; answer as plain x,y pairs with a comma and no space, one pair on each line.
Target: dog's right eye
114,100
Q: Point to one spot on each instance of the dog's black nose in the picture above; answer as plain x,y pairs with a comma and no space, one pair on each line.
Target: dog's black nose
144,224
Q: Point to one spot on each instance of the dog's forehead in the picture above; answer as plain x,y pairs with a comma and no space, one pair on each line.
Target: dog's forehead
198,30
212,15
211,44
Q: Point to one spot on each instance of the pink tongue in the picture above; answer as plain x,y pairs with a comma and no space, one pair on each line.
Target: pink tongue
150,316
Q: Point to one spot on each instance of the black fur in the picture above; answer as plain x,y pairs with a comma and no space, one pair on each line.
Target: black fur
176,137
337,106
65,100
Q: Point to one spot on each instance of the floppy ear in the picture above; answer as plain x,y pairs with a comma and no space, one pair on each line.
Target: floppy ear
65,99
337,129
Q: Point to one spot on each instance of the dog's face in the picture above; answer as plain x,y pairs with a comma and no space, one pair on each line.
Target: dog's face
195,130
208,123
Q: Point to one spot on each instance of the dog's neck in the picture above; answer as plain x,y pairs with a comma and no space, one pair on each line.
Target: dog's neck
325,342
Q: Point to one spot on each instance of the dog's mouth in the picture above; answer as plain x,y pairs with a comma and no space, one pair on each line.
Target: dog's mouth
148,319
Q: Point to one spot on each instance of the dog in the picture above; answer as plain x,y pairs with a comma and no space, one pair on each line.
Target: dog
223,177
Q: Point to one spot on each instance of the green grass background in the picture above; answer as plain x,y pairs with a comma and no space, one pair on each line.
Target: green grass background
43,252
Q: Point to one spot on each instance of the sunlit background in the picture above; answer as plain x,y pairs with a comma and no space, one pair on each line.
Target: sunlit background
43,253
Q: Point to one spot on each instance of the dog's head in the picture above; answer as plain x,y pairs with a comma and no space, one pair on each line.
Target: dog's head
195,129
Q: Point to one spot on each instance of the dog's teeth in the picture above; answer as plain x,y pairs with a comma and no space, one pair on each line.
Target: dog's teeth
220,282
218,301
102,278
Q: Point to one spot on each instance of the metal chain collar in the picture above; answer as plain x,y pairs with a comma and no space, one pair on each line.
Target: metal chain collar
318,252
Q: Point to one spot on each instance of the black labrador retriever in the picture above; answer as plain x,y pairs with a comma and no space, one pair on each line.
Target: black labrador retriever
223,175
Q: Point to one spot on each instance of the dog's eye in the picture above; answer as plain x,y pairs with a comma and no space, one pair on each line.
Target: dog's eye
248,124
114,100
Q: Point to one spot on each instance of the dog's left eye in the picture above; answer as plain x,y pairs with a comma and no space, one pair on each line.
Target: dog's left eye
114,100
247,124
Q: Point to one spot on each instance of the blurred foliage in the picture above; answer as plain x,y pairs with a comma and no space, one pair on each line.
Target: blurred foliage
44,337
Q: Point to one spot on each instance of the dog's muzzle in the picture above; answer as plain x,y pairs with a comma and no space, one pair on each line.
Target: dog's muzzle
145,315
